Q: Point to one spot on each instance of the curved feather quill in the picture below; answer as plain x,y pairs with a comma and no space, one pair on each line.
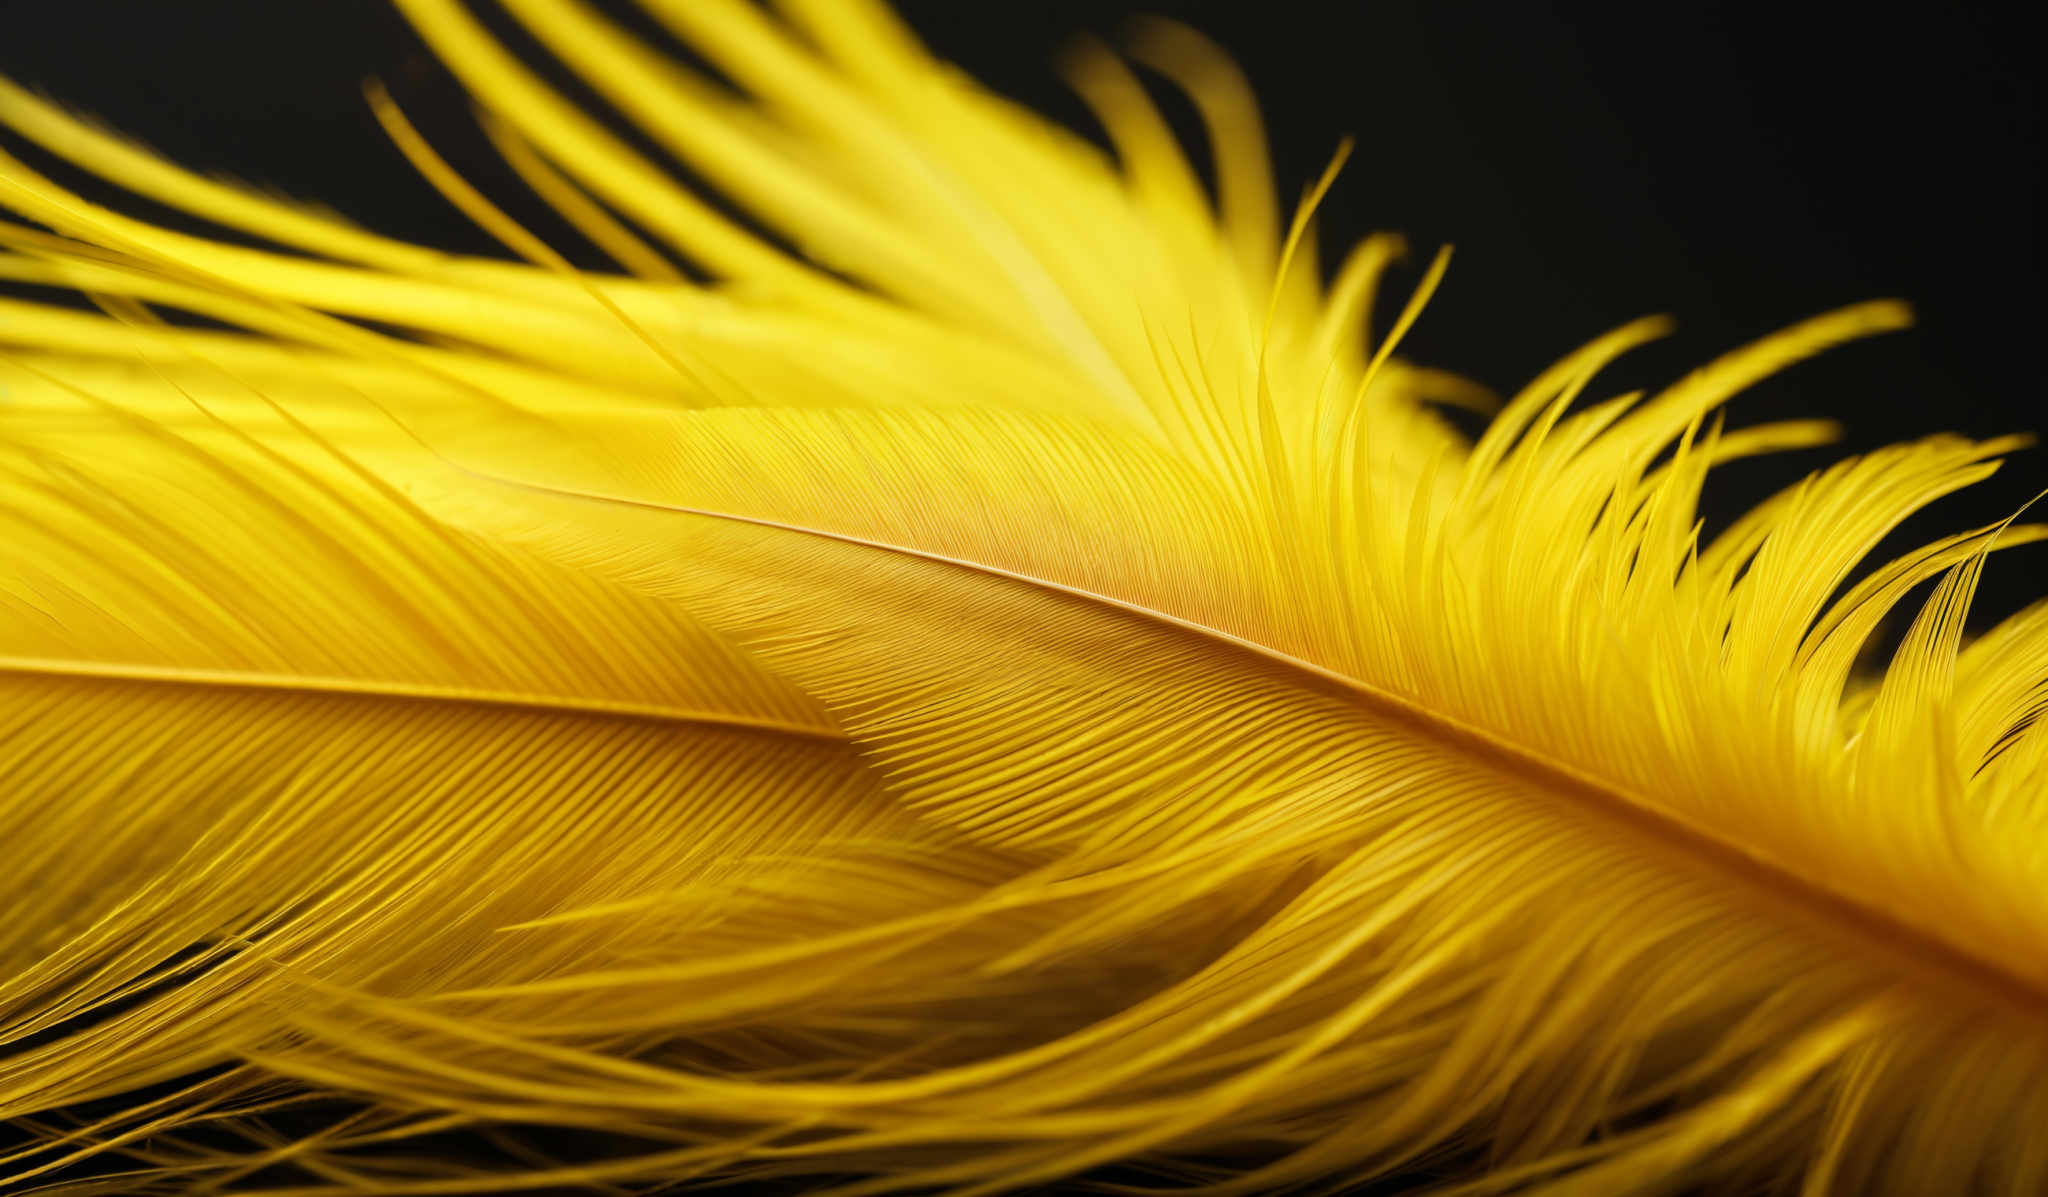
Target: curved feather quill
1020,684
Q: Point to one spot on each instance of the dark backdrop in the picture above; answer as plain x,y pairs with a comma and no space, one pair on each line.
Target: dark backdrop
1740,166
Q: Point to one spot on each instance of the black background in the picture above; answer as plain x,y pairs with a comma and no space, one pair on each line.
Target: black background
1739,166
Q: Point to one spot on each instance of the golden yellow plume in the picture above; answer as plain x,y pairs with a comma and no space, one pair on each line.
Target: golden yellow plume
982,672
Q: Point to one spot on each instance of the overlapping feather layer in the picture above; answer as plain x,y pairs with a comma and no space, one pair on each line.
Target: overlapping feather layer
1018,684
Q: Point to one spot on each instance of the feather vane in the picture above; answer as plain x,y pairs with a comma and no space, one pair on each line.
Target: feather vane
986,671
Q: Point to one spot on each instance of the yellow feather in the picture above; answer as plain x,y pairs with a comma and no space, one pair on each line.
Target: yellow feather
1019,684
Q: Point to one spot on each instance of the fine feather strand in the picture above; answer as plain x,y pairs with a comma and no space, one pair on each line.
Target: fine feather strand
1029,683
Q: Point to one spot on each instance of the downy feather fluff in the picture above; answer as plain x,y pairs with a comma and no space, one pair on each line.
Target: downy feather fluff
985,669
